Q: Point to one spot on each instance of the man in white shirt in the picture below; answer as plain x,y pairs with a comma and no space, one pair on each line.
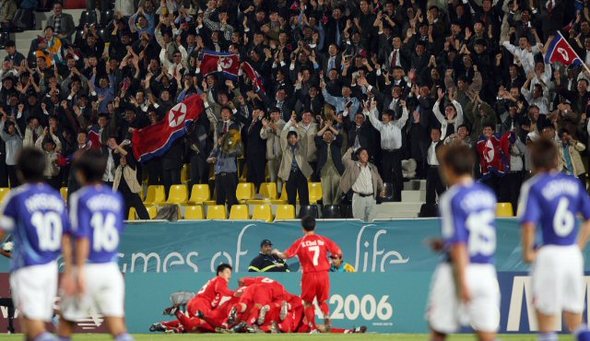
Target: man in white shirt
391,143
434,184
525,52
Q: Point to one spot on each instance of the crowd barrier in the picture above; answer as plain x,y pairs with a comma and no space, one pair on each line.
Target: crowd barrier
387,293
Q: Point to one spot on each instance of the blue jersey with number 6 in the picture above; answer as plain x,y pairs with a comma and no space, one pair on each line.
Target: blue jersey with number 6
36,216
468,213
552,201
96,214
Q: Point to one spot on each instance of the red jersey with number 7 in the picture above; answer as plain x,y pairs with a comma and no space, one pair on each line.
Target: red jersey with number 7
312,251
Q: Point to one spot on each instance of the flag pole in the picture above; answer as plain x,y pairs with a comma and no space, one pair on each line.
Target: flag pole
575,53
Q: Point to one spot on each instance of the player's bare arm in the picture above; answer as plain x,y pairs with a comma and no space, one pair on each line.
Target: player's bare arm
279,254
528,242
67,280
460,258
584,234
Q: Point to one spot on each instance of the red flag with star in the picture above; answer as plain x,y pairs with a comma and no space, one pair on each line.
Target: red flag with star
155,140
560,50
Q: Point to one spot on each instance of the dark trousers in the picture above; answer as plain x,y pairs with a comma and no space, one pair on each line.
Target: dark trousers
3,175
225,188
133,200
256,167
496,183
434,184
9,304
391,162
170,177
297,183
54,182
199,169
512,182
153,169
12,178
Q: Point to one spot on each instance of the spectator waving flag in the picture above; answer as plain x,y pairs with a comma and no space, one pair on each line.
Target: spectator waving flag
228,63
561,51
254,76
156,139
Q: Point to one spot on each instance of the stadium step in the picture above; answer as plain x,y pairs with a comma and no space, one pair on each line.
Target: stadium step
392,210
415,185
413,196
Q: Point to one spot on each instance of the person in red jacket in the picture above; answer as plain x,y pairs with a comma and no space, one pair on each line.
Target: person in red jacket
494,158
312,251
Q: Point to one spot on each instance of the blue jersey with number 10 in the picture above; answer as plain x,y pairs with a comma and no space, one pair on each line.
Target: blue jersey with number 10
96,214
468,213
36,215
552,201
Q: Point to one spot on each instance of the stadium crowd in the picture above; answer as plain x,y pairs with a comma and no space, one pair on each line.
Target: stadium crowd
355,94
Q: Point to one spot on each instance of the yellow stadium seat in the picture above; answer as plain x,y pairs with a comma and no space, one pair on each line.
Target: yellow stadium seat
239,212
193,212
245,191
216,212
185,173
155,195
504,209
285,212
132,214
262,212
200,193
268,190
315,192
64,193
178,194
152,211
4,192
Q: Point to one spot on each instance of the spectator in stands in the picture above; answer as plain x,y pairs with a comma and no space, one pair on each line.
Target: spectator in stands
434,184
199,148
51,172
570,155
13,140
306,132
339,265
329,167
225,158
266,261
391,144
271,132
62,23
255,149
126,183
294,169
12,54
364,180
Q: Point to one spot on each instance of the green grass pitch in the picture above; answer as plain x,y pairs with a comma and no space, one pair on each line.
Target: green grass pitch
294,337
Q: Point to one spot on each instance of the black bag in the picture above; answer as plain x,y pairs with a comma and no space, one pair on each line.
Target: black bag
88,17
428,211
24,19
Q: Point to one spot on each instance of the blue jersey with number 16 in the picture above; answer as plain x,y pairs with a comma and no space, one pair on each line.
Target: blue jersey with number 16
468,213
552,201
36,215
96,214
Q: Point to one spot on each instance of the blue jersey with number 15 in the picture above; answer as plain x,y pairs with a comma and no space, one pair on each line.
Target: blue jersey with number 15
468,213
36,216
552,201
96,214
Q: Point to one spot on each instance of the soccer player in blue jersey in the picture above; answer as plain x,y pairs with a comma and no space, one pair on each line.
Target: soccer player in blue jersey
91,275
464,288
36,216
551,201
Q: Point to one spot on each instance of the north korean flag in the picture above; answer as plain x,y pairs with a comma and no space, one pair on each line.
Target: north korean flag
561,51
228,63
155,140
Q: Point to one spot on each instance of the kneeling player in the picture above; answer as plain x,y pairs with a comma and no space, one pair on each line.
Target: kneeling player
96,226
466,283
552,200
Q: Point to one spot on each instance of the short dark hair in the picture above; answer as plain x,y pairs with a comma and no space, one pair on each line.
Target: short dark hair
544,154
222,267
459,158
30,164
308,223
291,133
92,165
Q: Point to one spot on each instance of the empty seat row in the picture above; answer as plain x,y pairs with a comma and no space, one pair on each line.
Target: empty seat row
237,212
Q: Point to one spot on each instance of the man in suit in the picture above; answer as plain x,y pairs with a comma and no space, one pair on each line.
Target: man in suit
329,167
294,169
171,164
306,132
360,133
225,124
434,184
271,133
62,23
333,60
255,149
281,101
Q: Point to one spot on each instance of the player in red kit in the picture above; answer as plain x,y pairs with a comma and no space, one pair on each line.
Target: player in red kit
312,251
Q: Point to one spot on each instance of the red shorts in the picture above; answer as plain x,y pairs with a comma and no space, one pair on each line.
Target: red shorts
315,285
198,304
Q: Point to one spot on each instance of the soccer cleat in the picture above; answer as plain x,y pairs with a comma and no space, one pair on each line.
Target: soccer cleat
241,327
170,310
314,331
327,324
284,311
199,314
357,330
274,328
221,330
157,327
233,315
262,315
254,329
